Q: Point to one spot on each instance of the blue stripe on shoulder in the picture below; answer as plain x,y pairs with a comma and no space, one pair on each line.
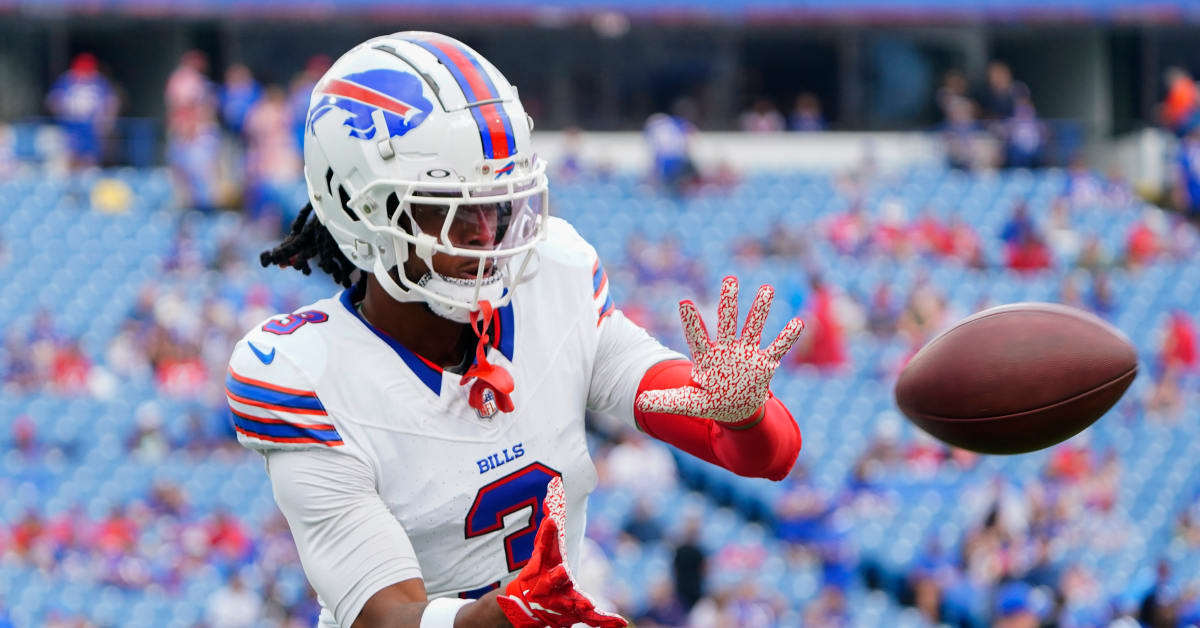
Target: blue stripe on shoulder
608,305
273,397
596,277
283,430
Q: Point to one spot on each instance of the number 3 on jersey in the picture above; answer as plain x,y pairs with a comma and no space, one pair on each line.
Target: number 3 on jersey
515,491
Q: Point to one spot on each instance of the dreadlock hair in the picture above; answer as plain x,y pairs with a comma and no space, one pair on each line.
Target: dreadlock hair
309,240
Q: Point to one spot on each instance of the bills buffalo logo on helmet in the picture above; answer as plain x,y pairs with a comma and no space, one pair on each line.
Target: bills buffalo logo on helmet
398,95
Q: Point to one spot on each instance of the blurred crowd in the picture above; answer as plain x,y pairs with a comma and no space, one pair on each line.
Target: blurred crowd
236,144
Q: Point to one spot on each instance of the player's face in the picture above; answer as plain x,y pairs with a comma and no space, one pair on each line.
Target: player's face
474,226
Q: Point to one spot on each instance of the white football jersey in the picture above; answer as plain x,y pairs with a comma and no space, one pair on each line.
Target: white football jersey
386,473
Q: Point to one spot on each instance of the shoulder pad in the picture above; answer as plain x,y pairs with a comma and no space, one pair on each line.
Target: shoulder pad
269,387
565,247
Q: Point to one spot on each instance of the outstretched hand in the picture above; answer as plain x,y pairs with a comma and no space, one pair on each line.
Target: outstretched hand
731,377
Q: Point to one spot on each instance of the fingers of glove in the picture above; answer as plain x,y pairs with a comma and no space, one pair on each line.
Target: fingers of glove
694,330
688,401
757,316
555,504
784,341
546,550
727,311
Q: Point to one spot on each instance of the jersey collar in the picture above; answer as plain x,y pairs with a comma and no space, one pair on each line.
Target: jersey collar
430,374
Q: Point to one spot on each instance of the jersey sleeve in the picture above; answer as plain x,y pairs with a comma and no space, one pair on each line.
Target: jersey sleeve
350,544
624,351
272,403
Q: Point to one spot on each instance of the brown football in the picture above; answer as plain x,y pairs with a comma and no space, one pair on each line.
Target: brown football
1016,378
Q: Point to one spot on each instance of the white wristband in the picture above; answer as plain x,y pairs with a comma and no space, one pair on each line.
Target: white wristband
440,612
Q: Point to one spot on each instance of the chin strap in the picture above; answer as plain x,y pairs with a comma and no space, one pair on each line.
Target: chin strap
486,376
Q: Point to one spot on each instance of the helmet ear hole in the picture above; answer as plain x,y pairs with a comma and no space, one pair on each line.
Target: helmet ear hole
393,203
342,195
345,198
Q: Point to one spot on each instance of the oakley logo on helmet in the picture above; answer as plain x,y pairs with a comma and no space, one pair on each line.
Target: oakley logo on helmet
397,94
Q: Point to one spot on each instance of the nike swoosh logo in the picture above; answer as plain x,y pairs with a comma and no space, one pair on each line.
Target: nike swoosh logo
266,358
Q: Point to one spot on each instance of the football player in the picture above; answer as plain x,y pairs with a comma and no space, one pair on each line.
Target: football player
423,430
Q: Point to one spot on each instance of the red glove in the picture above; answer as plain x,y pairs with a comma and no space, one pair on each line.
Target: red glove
545,593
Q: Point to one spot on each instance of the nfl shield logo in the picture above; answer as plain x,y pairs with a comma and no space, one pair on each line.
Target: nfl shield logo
489,409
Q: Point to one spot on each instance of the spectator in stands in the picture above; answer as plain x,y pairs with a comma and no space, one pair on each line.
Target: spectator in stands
238,95
953,95
1024,137
883,312
1187,530
148,443
1144,242
959,131
1069,290
1157,607
964,242
85,103
930,236
822,344
669,137
849,231
193,151
806,114
193,141
24,436
190,96
1013,609
1083,186
1186,184
570,160
828,610
300,90
689,565
1028,254
1179,342
1181,108
1093,257
70,369
1002,95
272,157
892,235
642,524
761,117
924,314
1101,298
801,516
1064,241
1019,224
664,608
1164,400
233,605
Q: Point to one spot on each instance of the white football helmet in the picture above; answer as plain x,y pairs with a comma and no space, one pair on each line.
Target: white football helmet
415,140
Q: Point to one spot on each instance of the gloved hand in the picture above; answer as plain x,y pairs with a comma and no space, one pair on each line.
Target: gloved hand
731,377
545,593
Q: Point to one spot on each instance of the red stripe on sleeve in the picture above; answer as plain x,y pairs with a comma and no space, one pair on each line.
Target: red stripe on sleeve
271,406
285,439
269,386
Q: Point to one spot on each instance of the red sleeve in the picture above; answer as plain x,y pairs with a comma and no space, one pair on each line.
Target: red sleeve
765,445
